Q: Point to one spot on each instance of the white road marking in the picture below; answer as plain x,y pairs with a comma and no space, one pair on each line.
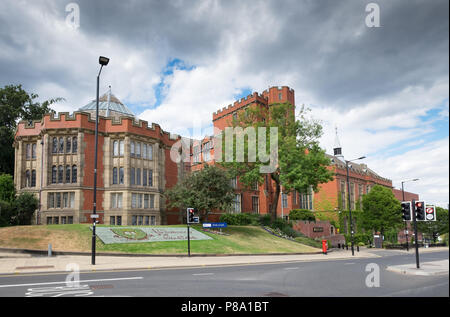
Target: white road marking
197,274
291,268
82,290
64,282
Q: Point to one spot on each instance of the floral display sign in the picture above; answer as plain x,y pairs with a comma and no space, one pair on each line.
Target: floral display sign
110,235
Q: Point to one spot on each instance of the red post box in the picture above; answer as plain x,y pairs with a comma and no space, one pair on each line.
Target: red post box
324,246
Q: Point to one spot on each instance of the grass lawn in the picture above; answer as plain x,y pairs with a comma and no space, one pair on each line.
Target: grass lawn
241,239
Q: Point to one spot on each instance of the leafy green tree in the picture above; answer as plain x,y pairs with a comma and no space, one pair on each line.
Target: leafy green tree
25,205
6,213
205,190
7,190
15,105
301,162
381,210
435,228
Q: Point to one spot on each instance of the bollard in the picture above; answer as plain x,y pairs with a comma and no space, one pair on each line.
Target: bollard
339,245
357,248
346,247
49,249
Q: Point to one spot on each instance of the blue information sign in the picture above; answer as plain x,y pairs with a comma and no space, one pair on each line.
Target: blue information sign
215,225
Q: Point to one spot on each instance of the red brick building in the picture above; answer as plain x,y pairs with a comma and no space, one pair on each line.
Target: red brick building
54,159
331,196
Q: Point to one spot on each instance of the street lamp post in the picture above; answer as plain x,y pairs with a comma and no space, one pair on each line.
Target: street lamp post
403,199
349,202
103,61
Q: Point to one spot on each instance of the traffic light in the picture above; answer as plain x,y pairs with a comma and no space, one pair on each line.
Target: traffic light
406,210
190,215
420,211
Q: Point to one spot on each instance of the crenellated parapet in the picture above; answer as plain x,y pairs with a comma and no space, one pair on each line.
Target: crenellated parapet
239,104
269,96
86,121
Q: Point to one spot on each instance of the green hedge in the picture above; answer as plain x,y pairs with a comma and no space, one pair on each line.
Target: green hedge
359,238
302,214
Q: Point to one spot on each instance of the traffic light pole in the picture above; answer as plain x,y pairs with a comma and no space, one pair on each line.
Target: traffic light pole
415,232
406,222
189,240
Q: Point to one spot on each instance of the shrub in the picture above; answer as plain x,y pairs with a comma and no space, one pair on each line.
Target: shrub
364,238
265,220
302,214
242,219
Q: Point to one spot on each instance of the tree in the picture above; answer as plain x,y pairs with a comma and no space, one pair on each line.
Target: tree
6,213
25,205
7,190
301,165
381,210
435,228
204,190
16,104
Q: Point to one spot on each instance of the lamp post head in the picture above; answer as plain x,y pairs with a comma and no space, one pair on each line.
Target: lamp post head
103,60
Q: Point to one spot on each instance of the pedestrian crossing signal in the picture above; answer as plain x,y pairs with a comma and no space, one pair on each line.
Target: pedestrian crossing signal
191,216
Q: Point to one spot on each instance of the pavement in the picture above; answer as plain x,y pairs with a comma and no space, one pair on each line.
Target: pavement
19,263
425,269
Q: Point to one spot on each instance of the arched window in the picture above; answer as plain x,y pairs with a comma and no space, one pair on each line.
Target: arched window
27,179
74,144
61,145
33,178
116,148
33,150
132,148
60,174
68,172
115,175
68,144
53,174
74,174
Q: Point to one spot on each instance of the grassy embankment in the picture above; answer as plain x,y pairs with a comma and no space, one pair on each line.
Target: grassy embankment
241,239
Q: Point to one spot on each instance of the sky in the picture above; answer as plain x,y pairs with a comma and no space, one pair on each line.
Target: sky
380,76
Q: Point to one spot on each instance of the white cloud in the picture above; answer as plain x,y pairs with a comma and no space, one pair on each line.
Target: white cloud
429,163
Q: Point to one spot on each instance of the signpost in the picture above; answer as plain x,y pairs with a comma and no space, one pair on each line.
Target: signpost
413,205
430,213
190,218
214,225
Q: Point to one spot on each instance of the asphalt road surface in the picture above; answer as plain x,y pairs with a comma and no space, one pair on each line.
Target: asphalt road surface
333,278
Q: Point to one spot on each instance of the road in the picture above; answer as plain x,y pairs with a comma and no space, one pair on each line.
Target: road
333,278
